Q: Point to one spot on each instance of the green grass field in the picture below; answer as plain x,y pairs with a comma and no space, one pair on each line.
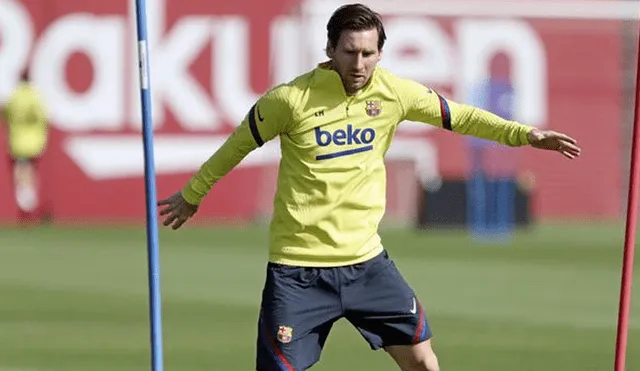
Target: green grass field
75,299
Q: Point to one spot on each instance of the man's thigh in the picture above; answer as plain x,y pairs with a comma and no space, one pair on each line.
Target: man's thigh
24,169
383,307
299,306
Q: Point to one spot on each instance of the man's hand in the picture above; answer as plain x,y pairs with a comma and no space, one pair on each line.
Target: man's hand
551,140
178,209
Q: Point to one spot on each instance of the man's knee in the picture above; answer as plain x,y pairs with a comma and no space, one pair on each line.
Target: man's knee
418,357
423,362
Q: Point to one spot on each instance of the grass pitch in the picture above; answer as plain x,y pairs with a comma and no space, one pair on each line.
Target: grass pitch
76,299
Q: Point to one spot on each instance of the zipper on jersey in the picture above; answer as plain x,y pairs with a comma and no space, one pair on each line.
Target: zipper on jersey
349,101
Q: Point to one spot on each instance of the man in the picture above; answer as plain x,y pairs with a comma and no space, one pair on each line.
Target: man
491,186
326,260
25,116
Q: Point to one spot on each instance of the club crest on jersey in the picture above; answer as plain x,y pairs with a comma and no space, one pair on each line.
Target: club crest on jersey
284,335
373,108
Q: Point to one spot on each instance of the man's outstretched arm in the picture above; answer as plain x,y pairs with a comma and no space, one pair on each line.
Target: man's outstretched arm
469,120
425,105
268,118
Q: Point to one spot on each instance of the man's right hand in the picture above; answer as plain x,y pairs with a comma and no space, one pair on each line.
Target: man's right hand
178,210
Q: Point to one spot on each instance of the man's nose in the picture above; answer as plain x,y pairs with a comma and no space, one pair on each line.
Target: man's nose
359,62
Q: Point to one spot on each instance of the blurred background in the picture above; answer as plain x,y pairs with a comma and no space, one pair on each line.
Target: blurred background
517,253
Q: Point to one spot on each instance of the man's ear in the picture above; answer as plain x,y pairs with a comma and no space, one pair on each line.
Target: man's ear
379,55
329,50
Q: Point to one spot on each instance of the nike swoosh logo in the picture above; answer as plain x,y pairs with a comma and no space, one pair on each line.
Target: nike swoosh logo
414,309
259,115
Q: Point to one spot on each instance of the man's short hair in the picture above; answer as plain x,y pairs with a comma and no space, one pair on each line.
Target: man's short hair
354,17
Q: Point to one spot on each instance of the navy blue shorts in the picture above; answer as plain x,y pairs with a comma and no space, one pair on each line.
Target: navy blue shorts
300,304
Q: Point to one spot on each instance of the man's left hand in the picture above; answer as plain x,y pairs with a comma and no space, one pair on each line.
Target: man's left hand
553,141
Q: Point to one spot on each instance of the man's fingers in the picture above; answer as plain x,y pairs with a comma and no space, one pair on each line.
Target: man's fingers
178,211
570,147
574,151
170,220
166,210
564,137
569,150
176,218
167,201
179,223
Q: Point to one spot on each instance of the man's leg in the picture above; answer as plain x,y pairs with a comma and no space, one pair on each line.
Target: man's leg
414,357
26,187
299,306
386,311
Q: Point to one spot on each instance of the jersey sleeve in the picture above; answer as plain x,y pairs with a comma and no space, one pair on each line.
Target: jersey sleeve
25,105
422,104
269,117
8,109
39,109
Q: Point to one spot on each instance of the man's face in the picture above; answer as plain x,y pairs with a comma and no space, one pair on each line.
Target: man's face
355,57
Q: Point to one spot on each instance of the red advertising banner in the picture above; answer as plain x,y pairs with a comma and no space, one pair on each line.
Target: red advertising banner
211,60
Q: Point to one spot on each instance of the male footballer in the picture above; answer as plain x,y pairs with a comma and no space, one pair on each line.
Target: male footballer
27,131
326,259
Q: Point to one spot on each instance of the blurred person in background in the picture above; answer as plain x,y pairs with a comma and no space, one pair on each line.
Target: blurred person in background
491,186
326,258
24,116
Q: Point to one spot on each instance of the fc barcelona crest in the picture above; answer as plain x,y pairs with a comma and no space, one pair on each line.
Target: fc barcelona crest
285,333
373,108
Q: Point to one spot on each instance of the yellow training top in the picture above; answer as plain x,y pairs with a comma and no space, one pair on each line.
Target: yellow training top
331,182
27,122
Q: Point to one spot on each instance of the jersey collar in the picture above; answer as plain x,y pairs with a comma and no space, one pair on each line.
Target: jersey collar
331,77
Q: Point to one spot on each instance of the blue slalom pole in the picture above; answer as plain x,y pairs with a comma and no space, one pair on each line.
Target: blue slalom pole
155,310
